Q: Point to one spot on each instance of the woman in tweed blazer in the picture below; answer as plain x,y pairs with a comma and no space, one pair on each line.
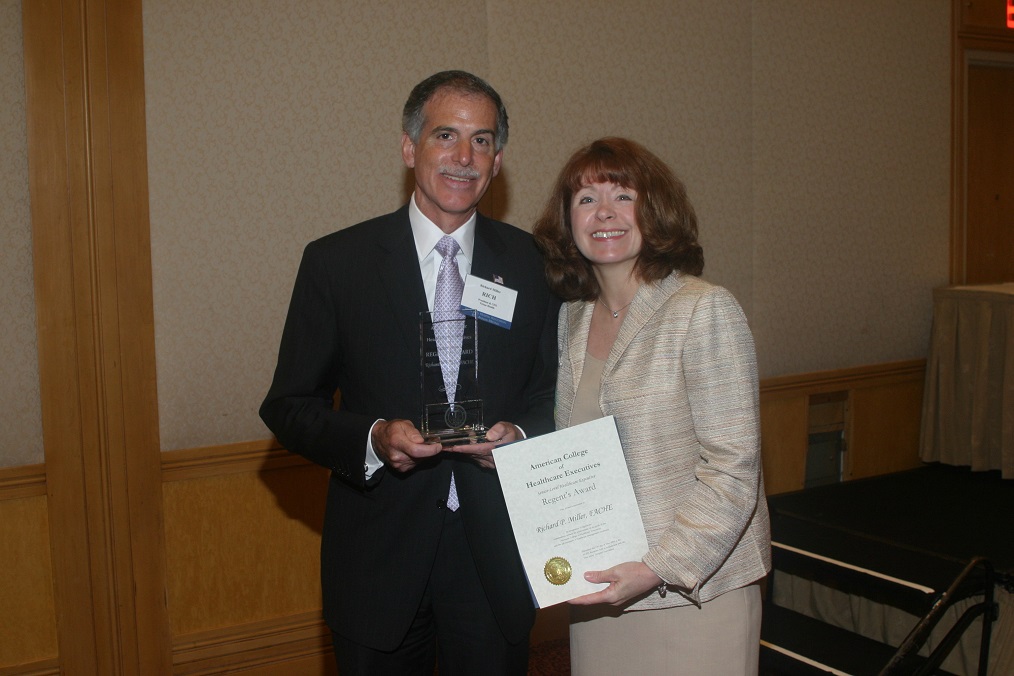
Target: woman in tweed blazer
642,338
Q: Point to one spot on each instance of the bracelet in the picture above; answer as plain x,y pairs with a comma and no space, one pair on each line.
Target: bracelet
662,589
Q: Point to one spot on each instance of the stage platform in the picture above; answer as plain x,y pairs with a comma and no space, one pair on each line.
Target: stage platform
950,512
901,539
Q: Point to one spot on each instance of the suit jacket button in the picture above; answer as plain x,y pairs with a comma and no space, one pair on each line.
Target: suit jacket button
442,503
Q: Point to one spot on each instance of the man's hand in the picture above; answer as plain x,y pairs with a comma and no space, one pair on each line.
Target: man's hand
497,435
399,445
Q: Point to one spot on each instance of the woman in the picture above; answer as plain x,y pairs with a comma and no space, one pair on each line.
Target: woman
642,338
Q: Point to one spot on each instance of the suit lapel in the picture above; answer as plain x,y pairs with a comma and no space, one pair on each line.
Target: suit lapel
488,252
648,299
489,261
399,281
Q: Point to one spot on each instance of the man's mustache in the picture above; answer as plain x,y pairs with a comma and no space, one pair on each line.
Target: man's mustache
460,172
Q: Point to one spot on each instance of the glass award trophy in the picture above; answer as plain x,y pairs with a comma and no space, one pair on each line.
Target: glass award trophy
456,419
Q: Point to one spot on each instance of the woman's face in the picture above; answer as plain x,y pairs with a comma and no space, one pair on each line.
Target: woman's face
603,219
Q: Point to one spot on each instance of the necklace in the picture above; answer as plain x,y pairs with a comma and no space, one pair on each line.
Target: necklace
615,313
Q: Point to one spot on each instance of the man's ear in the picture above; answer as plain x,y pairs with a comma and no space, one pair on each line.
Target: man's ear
496,161
407,150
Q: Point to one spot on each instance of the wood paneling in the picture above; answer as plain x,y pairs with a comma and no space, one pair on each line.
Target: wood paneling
884,410
28,618
783,441
88,180
243,547
49,667
243,528
979,36
297,644
990,188
983,16
884,427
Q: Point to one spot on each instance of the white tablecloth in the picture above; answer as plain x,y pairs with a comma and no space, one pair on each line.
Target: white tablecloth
968,406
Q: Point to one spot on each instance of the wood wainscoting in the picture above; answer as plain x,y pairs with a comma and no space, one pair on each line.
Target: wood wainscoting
28,639
882,410
243,523
242,527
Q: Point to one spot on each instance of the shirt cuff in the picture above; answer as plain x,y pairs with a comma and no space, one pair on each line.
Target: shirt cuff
372,462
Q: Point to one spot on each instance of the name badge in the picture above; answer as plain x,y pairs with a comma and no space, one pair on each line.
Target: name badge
493,303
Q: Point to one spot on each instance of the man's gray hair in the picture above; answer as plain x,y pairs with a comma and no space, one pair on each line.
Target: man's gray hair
413,117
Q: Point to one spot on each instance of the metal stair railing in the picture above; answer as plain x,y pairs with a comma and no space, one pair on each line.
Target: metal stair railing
900,663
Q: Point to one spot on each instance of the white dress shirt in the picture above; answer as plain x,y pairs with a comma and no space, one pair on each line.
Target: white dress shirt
426,235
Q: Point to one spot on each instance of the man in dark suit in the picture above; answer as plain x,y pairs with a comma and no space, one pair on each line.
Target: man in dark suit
417,556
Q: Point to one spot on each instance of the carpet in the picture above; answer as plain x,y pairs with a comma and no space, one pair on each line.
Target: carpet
550,658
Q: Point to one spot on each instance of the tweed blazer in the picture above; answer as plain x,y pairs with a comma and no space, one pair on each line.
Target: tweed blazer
681,380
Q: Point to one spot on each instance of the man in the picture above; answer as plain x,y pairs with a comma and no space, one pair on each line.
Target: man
411,564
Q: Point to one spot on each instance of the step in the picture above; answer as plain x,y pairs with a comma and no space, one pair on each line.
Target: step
793,644
886,573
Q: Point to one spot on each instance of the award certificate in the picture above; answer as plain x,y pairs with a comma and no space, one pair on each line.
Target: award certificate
571,506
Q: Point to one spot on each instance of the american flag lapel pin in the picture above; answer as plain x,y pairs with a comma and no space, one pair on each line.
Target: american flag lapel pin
498,279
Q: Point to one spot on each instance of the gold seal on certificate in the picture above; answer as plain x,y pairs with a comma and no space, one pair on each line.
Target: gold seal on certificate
558,570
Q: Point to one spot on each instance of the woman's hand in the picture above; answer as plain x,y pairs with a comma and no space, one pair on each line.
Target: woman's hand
626,581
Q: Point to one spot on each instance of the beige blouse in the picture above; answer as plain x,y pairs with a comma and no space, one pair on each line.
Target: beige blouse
586,403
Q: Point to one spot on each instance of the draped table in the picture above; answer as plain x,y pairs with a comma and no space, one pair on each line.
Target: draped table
968,404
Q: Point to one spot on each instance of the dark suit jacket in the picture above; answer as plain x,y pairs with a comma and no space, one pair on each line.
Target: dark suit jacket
353,326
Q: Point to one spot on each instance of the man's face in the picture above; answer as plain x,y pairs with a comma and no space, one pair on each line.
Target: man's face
455,159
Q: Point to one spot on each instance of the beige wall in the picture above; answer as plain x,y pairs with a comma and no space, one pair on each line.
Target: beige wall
20,420
851,172
813,137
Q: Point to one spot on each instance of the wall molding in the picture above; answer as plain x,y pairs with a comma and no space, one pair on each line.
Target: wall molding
49,667
819,382
25,481
259,644
248,456
209,461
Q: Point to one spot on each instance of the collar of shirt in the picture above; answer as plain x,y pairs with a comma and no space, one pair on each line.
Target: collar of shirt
426,235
